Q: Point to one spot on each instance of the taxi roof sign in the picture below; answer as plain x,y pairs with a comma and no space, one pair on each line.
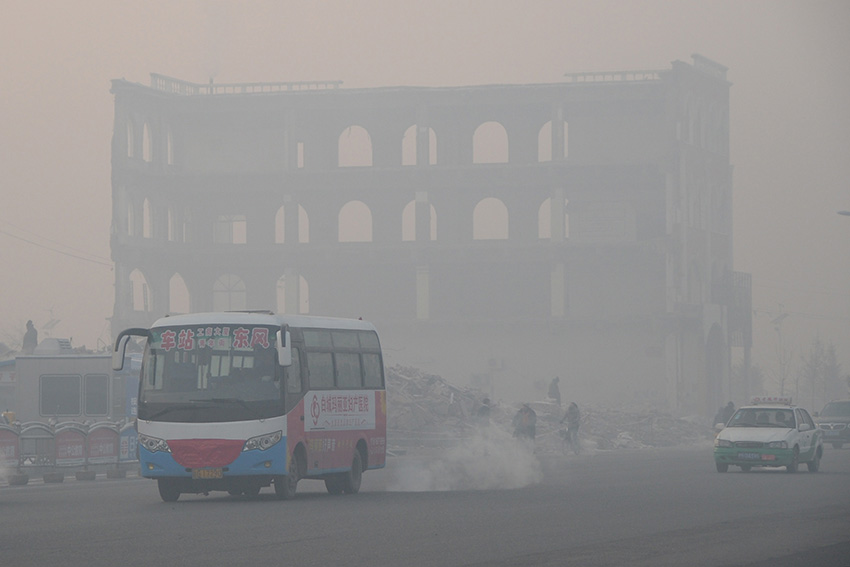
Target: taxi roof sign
758,400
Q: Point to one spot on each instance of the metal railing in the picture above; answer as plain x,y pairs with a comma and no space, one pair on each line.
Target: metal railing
180,87
613,76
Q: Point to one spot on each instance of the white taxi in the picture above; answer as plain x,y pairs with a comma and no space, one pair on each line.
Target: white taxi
770,432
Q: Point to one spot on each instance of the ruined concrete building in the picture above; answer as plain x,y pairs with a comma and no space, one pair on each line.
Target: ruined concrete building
503,234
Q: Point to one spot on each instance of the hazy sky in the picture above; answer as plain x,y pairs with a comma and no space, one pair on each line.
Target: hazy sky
790,119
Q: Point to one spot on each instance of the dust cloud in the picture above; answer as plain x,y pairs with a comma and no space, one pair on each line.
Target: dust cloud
491,459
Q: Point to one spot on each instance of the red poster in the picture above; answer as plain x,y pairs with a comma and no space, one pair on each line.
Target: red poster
70,448
103,445
8,448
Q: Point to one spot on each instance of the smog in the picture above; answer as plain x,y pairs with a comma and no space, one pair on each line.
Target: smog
491,459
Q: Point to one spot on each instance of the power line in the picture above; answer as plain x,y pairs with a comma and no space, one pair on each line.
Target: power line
94,261
62,244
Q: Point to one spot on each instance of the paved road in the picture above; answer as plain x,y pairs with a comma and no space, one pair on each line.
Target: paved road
636,507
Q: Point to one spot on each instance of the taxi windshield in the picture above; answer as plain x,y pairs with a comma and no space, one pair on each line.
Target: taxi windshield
763,417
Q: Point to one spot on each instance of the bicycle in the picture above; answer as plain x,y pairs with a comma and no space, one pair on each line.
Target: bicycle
570,439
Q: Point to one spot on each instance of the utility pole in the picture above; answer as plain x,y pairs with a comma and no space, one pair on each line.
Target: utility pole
780,351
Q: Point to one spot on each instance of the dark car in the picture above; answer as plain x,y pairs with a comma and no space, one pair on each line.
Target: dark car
834,419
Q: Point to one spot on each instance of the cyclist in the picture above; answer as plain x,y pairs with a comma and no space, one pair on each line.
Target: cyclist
573,419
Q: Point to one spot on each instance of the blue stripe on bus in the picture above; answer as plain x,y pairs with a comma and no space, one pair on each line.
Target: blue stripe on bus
246,464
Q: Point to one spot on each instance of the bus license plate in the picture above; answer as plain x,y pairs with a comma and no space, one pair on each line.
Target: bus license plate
749,456
207,473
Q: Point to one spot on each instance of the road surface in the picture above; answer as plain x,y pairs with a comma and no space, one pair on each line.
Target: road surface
624,507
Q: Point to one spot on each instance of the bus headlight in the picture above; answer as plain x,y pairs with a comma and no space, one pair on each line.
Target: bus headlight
778,445
154,444
263,442
722,443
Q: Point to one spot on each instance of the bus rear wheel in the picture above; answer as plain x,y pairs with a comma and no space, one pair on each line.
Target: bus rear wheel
168,490
351,479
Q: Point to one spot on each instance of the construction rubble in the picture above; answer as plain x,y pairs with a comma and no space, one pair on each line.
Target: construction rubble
425,411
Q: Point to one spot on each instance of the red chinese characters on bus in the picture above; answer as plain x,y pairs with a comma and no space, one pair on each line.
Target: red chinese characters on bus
168,341
215,337
245,338
240,338
186,339
260,337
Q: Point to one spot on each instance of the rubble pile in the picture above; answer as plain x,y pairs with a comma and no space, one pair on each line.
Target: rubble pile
425,410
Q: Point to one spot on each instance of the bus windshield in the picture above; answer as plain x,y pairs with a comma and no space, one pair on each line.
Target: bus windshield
210,373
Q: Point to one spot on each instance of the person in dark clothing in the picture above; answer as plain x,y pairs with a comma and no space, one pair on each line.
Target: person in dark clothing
525,422
573,419
724,414
30,339
728,412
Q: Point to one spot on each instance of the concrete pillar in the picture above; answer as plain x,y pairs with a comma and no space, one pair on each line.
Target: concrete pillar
422,293
558,133
557,215
558,289
422,222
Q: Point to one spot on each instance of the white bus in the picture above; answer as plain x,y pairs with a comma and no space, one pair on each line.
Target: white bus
238,401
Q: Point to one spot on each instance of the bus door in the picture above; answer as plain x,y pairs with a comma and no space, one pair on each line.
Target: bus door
318,436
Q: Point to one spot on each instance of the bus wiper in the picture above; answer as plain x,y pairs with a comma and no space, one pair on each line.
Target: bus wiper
163,411
237,401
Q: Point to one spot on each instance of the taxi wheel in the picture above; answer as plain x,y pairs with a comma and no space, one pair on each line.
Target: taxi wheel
252,491
792,466
721,467
814,464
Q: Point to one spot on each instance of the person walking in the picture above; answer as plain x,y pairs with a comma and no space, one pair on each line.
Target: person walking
573,419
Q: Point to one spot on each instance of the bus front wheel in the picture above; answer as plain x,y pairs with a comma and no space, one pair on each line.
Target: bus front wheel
168,490
285,486
334,485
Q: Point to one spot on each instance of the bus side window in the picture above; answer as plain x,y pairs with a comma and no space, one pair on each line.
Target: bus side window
293,374
373,375
320,369
348,370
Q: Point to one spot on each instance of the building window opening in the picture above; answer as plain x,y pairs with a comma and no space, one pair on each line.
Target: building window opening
231,229
490,220
229,293
490,144
355,147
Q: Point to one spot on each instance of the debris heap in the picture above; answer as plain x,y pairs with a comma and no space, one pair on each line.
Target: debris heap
426,411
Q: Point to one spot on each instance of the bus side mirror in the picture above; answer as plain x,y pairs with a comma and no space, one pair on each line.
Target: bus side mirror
119,351
121,345
284,348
